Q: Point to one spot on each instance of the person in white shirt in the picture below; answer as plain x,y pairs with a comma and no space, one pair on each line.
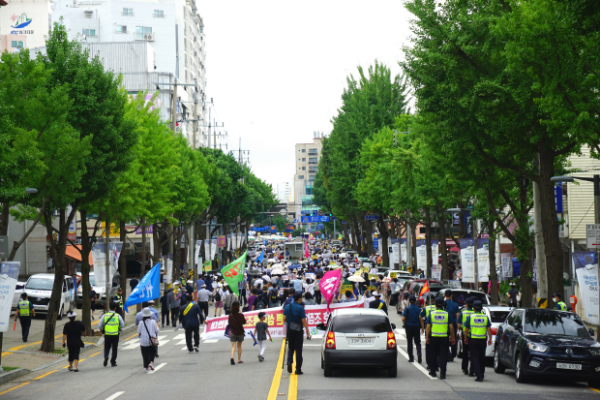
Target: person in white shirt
147,328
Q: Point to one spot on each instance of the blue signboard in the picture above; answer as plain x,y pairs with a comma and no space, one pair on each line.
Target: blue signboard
558,198
320,226
370,217
308,220
332,218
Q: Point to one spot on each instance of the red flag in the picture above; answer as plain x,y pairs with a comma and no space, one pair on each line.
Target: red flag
424,290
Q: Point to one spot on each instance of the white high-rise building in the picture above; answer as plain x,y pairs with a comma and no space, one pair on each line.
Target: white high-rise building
307,165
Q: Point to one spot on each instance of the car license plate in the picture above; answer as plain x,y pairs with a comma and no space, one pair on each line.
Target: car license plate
361,341
568,366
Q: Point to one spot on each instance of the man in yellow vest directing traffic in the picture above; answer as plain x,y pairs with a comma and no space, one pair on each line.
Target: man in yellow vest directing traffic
25,311
478,335
111,325
439,330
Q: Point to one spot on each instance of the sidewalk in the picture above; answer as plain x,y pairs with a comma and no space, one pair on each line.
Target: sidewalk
15,353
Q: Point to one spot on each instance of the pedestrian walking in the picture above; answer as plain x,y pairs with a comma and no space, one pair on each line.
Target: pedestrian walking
462,319
133,283
111,324
439,330
294,317
230,297
174,303
25,311
203,296
478,328
236,322
164,309
219,296
512,295
378,303
423,317
191,317
453,311
93,299
413,326
148,333
261,330
72,332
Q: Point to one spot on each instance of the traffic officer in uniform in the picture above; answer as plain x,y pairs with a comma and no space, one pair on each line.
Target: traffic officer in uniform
439,329
423,317
462,318
378,303
111,325
25,311
478,328
413,325
558,303
119,301
453,311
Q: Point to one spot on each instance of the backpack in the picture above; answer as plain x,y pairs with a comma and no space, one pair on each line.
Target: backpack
273,296
258,303
218,296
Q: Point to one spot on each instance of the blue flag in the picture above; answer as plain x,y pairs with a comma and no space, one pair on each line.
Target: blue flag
147,289
259,259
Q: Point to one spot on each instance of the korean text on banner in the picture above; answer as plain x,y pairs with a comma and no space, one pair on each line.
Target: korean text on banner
483,260
467,259
506,261
215,327
586,268
9,274
233,273
147,289
330,284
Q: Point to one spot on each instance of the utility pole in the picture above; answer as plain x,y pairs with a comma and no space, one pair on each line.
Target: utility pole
540,253
108,283
408,246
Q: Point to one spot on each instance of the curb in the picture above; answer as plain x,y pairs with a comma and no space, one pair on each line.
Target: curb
14,374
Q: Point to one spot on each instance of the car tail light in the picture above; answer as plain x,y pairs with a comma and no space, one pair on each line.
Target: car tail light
330,343
494,331
391,340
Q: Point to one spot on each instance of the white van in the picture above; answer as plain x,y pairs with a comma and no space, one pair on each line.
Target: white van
39,290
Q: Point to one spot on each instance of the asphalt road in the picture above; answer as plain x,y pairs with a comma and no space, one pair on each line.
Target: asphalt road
208,374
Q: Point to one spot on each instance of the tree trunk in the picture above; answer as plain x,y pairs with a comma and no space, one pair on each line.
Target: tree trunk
413,246
356,242
4,219
158,251
493,275
123,258
383,233
85,275
177,233
345,233
368,235
144,240
443,249
428,241
553,248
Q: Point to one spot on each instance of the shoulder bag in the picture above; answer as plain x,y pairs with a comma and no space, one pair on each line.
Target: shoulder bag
153,340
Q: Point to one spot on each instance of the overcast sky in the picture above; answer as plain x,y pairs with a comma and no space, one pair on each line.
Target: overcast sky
276,69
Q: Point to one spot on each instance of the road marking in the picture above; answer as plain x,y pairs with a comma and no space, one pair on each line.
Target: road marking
589,387
95,354
417,365
311,345
45,375
211,341
135,334
293,387
277,377
181,342
15,387
159,366
179,337
114,396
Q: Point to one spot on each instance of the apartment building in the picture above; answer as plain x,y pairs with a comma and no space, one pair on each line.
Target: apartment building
307,157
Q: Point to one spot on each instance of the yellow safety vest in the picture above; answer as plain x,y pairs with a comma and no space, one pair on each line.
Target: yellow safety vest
24,308
439,323
111,324
119,299
429,309
562,305
478,326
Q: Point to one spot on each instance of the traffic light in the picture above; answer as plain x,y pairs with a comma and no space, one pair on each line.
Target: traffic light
330,214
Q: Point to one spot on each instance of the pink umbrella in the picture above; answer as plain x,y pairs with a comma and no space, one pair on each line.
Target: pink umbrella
455,250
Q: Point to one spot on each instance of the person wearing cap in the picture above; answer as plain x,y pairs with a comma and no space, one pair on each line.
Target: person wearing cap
453,311
189,288
294,316
429,307
72,332
174,303
462,319
111,325
478,328
24,311
203,296
261,330
119,301
147,329
378,303
413,325
439,330
512,294
191,317
558,303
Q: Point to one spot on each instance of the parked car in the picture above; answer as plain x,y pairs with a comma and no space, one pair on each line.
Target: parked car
18,291
358,337
39,290
497,315
460,296
100,290
417,285
543,342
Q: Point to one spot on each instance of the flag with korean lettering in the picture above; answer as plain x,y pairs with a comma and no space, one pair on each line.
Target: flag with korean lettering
234,273
147,289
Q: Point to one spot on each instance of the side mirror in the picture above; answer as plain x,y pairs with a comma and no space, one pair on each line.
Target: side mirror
393,326
321,327
591,331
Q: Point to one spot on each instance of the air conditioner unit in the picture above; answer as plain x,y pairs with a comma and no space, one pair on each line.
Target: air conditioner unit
149,37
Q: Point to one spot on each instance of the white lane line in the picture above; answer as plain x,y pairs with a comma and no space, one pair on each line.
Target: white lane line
181,342
417,365
179,337
159,366
114,396
311,345
211,341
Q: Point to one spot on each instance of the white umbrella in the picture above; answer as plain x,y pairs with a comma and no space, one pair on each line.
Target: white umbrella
356,278
343,255
276,266
277,271
271,260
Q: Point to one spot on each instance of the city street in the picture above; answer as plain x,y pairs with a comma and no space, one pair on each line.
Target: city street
208,373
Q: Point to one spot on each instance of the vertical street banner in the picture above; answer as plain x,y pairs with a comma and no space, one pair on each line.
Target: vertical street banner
483,259
403,250
115,252
9,275
422,255
467,259
72,235
435,255
506,262
99,261
586,269
169,271
198,255
210,249
221,241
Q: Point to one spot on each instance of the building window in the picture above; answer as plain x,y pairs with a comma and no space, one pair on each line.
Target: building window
89,32
304,159
128,12
88,14
159,14
121,29
304,150
311,177
303,168
312,151
141,32
313,160
16,44
300,176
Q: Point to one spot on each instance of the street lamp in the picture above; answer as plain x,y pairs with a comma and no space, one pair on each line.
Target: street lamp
31,190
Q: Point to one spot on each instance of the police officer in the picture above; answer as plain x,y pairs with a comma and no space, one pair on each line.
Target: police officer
413,326
119,301
25,311
462,318
558,303
478,328
111,324
378,303
423,317
439,329
453,311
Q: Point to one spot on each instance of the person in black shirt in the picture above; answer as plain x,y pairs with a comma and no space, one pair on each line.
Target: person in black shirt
93,297
512,295
72,332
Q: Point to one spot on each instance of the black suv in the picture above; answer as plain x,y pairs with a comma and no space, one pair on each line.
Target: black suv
542,342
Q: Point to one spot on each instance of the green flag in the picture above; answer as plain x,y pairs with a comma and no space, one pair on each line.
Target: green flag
234,273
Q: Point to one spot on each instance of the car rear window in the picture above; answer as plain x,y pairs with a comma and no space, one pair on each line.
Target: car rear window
361,324
498,316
